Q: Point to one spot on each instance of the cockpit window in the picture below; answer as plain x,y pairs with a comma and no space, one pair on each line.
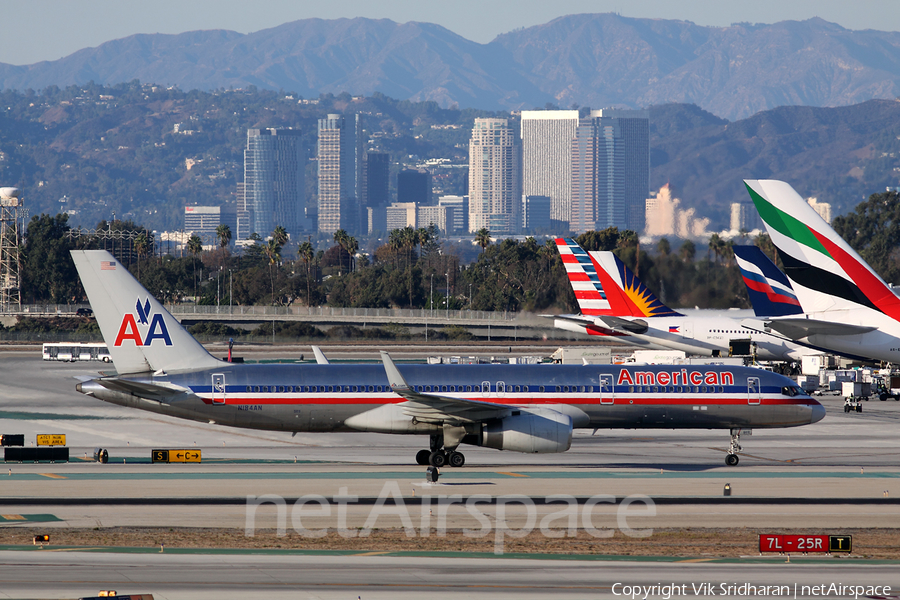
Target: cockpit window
791,390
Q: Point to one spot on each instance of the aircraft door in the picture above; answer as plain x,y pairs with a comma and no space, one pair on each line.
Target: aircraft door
218,388
607,395
754,391
687,330
501,389
486,388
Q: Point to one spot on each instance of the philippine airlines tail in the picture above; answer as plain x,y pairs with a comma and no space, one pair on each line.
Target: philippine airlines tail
603,285
769,289
826,273
140,333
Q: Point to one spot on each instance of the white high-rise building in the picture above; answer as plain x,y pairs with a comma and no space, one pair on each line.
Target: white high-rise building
822,208
400,215
495,196
546,162
340,174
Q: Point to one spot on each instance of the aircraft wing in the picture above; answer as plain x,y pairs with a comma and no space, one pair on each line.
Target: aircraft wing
432,407
797,329
320,356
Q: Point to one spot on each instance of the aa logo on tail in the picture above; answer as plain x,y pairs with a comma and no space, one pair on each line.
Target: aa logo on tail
154,325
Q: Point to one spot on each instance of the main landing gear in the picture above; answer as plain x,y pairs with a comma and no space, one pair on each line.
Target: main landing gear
731,459
438,456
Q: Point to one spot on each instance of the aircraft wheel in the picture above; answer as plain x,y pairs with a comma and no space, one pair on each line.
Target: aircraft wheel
422,457
438,459
732,460
456,459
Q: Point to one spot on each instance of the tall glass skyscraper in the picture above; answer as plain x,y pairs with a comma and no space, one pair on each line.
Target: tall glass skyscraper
274,180
495,188
610,170
340,174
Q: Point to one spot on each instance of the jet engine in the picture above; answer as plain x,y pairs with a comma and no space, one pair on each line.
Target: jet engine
532,430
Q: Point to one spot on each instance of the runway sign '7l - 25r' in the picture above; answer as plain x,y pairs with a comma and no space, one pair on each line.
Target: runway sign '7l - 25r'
805,543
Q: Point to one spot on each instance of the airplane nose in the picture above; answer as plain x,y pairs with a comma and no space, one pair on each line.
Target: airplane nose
817,413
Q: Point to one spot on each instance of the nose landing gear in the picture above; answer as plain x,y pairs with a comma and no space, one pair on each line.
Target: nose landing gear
731,458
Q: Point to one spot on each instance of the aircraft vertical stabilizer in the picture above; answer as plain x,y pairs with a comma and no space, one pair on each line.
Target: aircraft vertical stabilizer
641,301
140,333
826,273
769,289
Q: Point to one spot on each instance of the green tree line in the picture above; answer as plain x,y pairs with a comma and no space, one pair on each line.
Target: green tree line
416,269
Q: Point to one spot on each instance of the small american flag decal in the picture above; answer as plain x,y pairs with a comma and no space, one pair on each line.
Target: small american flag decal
107,265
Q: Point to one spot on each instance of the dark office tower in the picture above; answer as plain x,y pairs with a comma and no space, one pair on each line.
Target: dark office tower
273,180
414,185
376,171
340,174
610,171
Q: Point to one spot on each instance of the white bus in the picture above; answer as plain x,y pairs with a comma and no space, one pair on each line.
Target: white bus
72,351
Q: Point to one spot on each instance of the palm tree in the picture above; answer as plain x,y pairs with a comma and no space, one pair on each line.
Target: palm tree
395,240
352,249
273,254
141,245
483,238
223,234
340,238
280,235
410,238
306,254
427,235
195,247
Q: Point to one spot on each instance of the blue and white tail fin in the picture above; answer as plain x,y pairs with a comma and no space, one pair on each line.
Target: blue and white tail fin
769,289
140,333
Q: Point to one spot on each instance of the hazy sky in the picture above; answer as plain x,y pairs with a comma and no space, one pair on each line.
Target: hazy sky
36,30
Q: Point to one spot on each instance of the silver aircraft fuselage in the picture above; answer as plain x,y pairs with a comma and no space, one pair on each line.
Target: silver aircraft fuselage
326,397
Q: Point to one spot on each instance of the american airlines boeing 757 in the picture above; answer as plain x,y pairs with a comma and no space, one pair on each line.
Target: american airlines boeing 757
161,368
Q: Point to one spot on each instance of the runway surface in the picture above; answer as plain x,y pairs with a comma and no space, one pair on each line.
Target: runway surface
839,473
214,576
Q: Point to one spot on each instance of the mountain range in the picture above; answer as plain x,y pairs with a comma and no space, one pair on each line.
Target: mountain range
597,60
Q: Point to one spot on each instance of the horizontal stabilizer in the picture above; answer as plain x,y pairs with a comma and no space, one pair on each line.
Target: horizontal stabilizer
637,326
798,329
158,392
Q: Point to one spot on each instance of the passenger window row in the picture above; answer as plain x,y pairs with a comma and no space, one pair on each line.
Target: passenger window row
307,389
655,389
312,389
584,389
